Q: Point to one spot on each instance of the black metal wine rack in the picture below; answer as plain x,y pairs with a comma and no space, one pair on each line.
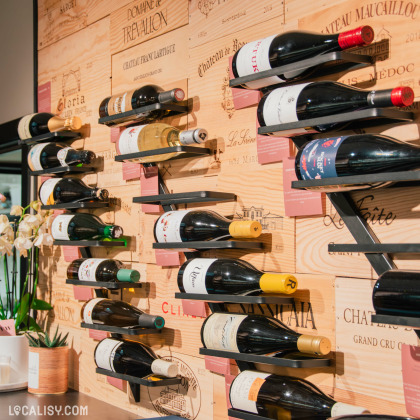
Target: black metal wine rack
119,331
135,382
64,170
110,285
56,136
256,300
78,205
184,198
86,243
239,414
203,245
403,321
327,63
131,117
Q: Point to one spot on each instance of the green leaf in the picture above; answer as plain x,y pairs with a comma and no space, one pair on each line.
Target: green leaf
33,342
33,325
63,342
41,305
23,310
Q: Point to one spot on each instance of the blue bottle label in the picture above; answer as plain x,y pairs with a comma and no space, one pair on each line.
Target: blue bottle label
318,158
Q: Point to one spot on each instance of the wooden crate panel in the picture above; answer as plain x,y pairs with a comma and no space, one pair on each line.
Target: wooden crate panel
396,36
79,70
139,21
368,355
213,19
234,130
60,18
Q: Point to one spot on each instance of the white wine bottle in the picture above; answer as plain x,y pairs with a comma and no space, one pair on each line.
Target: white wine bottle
118,314
284,398
53,155
156,136
132,358
258,334
231,276
101,269
81,226
201,225
69,190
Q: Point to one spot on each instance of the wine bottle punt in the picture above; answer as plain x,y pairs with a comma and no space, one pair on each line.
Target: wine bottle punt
231,276
53,155
81,226
257,334
358,154
136,98
290,47
131,358
117,313
157,136
101,269
397,293
69,190
319,99
284,398
201,225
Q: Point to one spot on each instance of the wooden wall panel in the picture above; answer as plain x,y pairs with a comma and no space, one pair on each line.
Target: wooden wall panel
60,18
213,19
139,21
364,349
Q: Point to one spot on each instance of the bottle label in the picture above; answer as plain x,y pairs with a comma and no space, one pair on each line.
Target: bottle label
194,277
87,311
60,225
62,155
245,388
221,330
280,105
253,58
317,160
34,157
23,127
343,409
87,270
128,141
33,370
120,103
168,226
105,353
46,192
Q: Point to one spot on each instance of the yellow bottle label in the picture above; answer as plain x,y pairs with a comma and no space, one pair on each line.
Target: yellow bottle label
245,229
278,283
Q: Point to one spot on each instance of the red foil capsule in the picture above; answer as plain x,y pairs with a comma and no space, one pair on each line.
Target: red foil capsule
402,96
356,37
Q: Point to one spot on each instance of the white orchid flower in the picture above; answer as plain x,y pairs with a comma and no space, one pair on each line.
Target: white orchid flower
22,244
44,239
3,218
5,246
5,228
31,220
25,228
16,210
36,205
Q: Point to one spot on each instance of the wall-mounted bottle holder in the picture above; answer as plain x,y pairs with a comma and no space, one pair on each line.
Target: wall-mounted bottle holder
200,245
186,198
78,205
328,63
239,414
64,170
111,285
403,321
257,300
121,330
86,243
57,136
131,117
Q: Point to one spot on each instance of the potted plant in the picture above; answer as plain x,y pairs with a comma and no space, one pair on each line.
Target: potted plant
48,363
21,236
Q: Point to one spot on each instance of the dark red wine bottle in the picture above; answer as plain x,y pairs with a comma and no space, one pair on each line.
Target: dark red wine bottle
355,155
69,190
146,95
319,99
52,155
397,293
290,47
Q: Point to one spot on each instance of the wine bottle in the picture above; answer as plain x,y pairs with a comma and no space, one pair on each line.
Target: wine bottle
284,397
230,276
136,98
41,123
257,334
156,136
201,225
131,358
100,269
52,155
69,190
118,314
290,47
397,293
355,155
319,99
76,227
